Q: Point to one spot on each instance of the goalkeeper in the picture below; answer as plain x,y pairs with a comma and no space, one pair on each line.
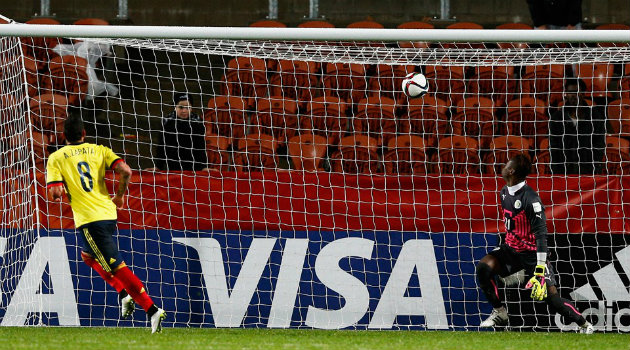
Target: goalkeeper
525,247
79,169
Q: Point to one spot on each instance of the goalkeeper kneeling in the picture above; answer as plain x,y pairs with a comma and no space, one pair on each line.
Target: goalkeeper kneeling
525,248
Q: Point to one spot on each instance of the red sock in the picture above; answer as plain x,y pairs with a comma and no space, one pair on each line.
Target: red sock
134,287
108,277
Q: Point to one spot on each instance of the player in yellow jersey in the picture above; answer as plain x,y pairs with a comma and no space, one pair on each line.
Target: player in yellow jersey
78,169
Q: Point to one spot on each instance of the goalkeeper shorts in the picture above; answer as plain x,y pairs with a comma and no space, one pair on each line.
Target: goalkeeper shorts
513,261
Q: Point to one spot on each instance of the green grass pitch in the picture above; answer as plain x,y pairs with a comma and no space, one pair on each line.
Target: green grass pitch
185,339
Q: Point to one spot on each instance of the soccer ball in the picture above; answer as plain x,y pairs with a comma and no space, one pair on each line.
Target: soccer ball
415,85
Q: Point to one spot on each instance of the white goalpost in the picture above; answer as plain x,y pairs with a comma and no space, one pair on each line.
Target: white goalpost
304,189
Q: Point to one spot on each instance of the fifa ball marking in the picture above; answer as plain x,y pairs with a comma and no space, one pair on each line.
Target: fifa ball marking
415,85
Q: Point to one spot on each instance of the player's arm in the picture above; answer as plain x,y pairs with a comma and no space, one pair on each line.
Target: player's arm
124,174
536,216
54,181
55,192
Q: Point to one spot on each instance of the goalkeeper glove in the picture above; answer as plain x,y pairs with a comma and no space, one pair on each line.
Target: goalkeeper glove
537,283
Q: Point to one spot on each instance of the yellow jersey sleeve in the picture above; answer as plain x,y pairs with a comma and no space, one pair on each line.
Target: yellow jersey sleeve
111,159
53,173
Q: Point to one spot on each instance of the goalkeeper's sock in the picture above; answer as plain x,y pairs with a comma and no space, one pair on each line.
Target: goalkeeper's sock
108,277
488,285
134,287
565,308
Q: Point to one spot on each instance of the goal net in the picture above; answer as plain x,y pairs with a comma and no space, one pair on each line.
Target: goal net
303,189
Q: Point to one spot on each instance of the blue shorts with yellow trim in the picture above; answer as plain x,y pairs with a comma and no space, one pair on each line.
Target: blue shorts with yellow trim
98,241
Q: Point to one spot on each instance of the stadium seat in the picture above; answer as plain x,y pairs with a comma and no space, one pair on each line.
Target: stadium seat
356,155
544,82
365,24
256,152
307,151
456,155
475,118
612,26
68,76
226,116
596,77
387,81
345,80
519,26
296,80
217,152
624,82
427,117
527,117
415,44
618,115
326,116
91,22
48,115
32,76
542,161
40,47
405,155
496,82
617,156
316,24
503,148
464,25
376,117
40,142
447,82
268,23
246,77
276,116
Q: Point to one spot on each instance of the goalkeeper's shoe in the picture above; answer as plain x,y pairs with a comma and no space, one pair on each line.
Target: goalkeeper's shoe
498,317
156,320
587,328
127,306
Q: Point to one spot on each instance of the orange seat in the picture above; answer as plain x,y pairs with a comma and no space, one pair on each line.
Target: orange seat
376,117
269,23
496,82
415,25
307,151
618,115
326,116
624,82
48,115
387,80
39,142
316,24
447,82
296,80
464,25
217,152
456,155
365,24
503,148
276,116
40,47
345,80
617,156
245,77
514,26
475,118
67,76
91,22
527,117
356,155
256,152
226,116
32,76
544,82
405,155
427,117
596,77
612,26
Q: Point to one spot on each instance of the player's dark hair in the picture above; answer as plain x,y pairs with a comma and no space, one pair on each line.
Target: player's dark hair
522,166
73,129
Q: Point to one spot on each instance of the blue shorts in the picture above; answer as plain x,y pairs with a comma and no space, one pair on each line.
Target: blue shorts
98,241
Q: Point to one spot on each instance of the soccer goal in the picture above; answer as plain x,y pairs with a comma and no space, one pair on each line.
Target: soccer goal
303,188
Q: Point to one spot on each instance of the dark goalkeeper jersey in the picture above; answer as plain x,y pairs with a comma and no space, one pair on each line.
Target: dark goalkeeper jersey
524,218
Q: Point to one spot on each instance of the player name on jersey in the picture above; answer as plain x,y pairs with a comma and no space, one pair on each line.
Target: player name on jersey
71,152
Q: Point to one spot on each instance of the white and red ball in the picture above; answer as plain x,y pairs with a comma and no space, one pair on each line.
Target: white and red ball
415,85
